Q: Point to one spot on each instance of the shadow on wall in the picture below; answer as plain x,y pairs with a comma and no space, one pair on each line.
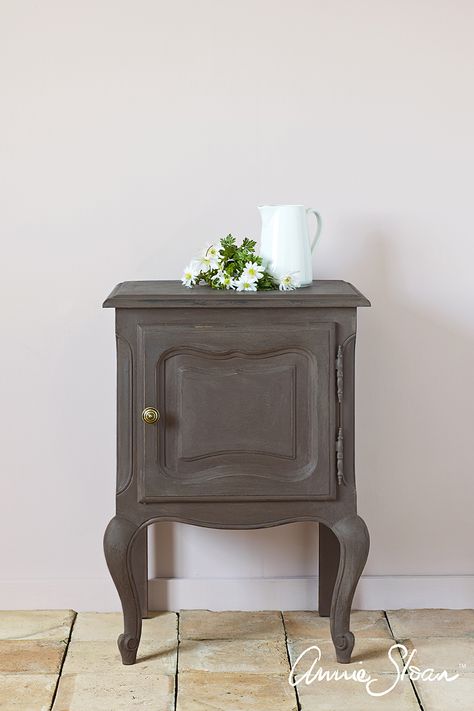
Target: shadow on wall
414,400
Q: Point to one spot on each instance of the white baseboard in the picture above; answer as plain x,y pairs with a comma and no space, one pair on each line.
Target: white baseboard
374,592
80,594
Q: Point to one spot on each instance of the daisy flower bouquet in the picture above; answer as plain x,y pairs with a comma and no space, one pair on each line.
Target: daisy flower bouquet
232,266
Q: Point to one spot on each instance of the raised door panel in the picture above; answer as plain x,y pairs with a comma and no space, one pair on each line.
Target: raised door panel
234,393
244,413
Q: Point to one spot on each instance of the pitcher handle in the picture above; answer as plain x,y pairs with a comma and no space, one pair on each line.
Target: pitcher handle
318,226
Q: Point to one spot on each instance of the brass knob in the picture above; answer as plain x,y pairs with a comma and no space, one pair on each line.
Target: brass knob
150,415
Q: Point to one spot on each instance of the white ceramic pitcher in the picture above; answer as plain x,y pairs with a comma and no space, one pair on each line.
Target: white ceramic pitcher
285,243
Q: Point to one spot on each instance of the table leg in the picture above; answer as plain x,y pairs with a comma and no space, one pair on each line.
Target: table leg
328,567
140,569
354,541
118,548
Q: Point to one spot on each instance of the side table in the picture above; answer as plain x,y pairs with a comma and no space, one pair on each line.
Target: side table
236,410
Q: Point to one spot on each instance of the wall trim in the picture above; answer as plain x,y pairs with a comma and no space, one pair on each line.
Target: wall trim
374,592
387,592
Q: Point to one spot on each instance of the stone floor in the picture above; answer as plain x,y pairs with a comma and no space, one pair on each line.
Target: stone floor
207,661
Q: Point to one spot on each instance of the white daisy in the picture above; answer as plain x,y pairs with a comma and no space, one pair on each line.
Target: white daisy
244,284
224,279
190,275
252,271
211,255
288,282
204,264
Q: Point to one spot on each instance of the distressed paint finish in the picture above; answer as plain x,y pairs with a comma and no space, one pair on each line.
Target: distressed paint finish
256,397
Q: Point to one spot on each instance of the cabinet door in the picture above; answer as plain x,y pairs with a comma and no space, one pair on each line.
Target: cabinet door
245,413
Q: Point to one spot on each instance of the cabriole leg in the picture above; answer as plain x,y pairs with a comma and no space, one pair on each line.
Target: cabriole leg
354,541
118,545
328,567
139,554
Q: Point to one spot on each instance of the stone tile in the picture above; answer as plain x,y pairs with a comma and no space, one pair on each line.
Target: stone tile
306,624
26,692
342,694
457,695
438,653
204,691
105,626
203,624
226,655
31,656
431,623
120,692
101,657
369,654
36,624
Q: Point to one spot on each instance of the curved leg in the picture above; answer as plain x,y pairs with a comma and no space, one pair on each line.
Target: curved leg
328,567
139,555
118,543
354,542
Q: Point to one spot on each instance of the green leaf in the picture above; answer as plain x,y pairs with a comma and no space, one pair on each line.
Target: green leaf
233,258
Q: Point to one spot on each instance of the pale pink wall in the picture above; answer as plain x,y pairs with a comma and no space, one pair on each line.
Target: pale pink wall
131,133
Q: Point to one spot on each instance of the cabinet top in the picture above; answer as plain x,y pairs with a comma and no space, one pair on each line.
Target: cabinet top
172,294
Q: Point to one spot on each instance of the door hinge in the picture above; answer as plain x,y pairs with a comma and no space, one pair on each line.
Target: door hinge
340,436
339,375
340,410
340,457
340,395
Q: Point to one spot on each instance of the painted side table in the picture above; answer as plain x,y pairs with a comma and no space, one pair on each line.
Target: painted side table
236,410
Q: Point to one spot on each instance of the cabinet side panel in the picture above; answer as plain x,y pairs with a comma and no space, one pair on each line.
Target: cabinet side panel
124,413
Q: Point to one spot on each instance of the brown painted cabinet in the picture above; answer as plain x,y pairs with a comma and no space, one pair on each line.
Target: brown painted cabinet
235,410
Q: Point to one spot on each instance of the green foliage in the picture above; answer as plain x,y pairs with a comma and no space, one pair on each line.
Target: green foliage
224,272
